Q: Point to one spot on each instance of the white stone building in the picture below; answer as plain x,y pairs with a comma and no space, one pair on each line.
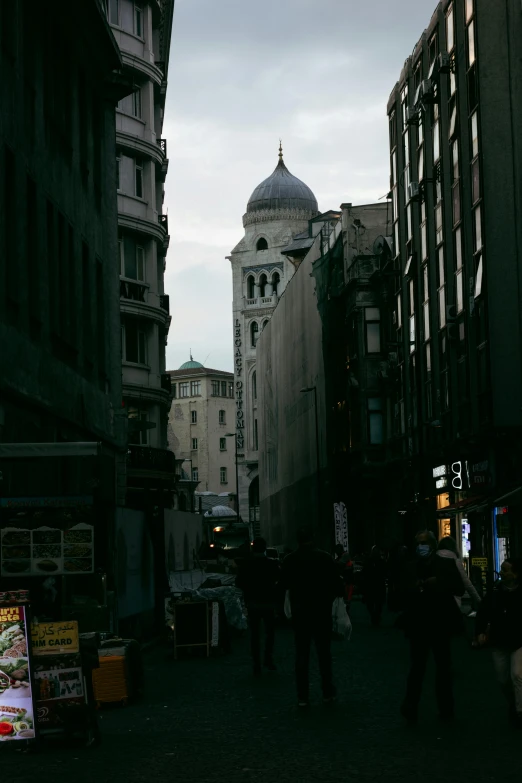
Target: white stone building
278,210
201,417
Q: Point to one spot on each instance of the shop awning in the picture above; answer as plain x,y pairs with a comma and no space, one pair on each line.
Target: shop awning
467,505
515,496
15,450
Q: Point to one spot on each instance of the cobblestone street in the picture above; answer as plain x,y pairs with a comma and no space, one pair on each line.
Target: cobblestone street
209,721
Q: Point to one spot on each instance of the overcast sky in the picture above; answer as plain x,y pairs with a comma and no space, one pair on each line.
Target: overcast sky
318,74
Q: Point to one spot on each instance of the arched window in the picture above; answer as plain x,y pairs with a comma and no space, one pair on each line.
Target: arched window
254,385
262,285
251,287
275,282
254,333
262,244
265,323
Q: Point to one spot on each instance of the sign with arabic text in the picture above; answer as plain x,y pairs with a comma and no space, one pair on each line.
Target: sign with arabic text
55,638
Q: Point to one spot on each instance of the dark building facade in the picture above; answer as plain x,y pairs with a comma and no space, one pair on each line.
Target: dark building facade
61,435
453,277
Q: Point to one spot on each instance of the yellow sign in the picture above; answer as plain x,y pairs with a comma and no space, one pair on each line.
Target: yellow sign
55,638
480,562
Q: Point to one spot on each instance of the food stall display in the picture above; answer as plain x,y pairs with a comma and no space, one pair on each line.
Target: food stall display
46,540
16,695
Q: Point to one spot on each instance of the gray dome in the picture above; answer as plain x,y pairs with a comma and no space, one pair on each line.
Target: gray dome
221,511
281,190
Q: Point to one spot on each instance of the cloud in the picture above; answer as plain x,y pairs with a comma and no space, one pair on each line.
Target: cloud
243,73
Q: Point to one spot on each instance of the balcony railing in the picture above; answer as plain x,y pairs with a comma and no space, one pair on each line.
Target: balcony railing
251,302
163,220
162,144
166,382
134,291
165,302
148,458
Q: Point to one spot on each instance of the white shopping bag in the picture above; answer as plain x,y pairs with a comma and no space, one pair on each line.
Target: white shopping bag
341,623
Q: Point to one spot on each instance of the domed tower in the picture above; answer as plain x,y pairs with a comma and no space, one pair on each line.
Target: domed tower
278,209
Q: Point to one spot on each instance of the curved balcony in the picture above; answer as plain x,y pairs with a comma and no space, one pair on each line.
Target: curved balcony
156,395
144,148
142,69
136,299
136,215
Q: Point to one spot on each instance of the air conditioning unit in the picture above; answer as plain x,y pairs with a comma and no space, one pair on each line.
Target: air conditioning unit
414,191
412,116
444,63
427,91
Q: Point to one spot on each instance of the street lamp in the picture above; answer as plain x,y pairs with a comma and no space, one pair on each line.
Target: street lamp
234,435
318,463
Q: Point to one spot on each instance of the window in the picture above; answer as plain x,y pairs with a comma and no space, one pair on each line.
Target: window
254,385
372,317
222,417
475,181
469,9
195,388
455,159
460,291
412,333
138,178
174,388
138,432
474,134
184,389
478,229
135,341
424,243
450,30
262,285
436,142
230,389
251,287
442,307
458,248
223,388
256,437
375,424
138,20
399,311
420,166
426,308
193,417
136,104
222,444
456,203
275,282
262,244
194,444
223,475
195,474
438,224
215,388
114,11
453,119
478,278
132,259
254,333
471,44
118,172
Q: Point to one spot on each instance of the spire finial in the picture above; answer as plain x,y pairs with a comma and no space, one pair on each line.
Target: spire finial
280,150
190,354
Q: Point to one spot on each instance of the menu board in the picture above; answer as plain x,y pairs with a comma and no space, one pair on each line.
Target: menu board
37,551
55,638
16,697
59,688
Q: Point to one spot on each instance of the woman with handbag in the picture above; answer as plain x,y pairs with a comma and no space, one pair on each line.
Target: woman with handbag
499,624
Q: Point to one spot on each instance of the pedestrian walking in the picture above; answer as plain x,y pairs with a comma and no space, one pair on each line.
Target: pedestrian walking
448,548
258,578
499,623
431,618
345,565
313,582
373,585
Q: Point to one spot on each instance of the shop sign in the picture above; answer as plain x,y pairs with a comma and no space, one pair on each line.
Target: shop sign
465,531
482,563
16,696
59,686
455,475
479,474
341,525
55,638
240,422
440,474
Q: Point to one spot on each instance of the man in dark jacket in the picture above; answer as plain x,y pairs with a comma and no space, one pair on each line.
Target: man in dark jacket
313,581
258,578
499,622
431,618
